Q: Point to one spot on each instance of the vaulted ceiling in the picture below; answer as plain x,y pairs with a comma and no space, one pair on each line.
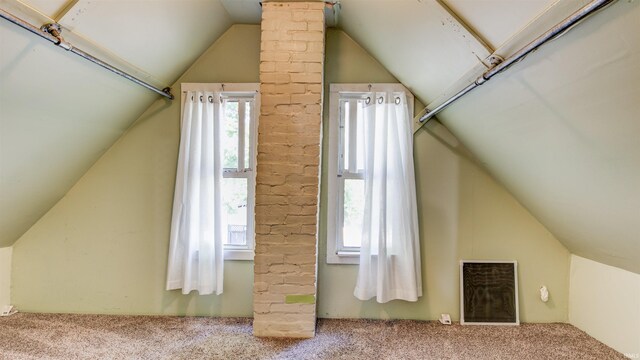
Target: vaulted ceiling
559,130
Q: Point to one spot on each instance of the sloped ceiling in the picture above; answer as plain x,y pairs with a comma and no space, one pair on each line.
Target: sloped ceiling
59,113
558,129
561,130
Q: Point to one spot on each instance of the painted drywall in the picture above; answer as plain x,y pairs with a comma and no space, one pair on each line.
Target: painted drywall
5,276
59,113
103,248
560,131
463,214
604,301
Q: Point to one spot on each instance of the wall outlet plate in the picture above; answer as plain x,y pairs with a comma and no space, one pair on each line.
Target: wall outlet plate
445,319
8,310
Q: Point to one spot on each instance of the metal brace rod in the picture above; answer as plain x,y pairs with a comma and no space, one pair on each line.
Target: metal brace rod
51,33
558,30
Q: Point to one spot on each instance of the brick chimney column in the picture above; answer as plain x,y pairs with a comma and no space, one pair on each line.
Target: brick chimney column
288,169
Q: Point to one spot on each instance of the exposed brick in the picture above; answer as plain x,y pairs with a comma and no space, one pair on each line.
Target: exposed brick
293,308
267,66
312,78
304,57
287,179
301,179
275,56
275,78
267,239
302,219
312,68
300,239
291,88
283,268
313,88
291,67
272,179
312,109
317,36
300,260
286,249
268,199
268,298
275,99
308,280
292,289
277,35
270,259
305,98
315,26
315,46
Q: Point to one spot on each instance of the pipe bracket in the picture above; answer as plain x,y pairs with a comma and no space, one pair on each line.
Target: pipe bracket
52,28
167,91
495,59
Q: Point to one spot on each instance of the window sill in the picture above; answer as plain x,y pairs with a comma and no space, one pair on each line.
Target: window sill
237,254
348,258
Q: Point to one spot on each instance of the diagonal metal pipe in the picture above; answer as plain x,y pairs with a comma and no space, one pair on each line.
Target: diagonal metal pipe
51,32
556,31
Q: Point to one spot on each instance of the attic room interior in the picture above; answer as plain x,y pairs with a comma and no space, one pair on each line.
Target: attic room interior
344,179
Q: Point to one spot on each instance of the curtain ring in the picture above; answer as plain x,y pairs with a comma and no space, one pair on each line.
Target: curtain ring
397,100
368,100
211,99
191,97
380,100
201,98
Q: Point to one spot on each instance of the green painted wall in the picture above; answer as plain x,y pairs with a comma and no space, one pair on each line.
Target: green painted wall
463,214
103,247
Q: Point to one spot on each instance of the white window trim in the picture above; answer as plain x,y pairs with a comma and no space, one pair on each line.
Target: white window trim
230,253
334,186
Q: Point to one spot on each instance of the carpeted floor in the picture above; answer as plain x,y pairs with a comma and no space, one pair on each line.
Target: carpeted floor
49,336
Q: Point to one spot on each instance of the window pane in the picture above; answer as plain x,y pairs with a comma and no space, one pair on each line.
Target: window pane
347,133
247,132
230,135
353,212
360,137
234,214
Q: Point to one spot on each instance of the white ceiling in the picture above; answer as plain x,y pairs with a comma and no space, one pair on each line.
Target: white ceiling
559,129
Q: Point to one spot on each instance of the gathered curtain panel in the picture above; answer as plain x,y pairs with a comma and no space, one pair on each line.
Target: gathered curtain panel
390,253
195,251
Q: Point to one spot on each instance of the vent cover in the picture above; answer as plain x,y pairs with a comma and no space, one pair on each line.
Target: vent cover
489,293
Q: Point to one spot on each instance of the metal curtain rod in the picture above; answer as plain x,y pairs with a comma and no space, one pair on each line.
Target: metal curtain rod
51,32
555,32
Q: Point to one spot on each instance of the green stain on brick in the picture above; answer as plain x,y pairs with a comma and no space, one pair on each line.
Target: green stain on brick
300,299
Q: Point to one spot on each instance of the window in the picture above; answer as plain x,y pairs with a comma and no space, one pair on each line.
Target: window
346,167
238,104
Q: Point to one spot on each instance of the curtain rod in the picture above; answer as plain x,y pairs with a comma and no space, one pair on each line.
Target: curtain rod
555,32
51,32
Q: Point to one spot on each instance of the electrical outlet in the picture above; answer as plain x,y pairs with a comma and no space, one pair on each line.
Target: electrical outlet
445,319
8,310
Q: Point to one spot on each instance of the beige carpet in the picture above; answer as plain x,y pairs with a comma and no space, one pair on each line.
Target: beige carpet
48,336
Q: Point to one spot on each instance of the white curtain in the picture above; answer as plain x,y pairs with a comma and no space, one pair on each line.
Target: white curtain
390,253
195,252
